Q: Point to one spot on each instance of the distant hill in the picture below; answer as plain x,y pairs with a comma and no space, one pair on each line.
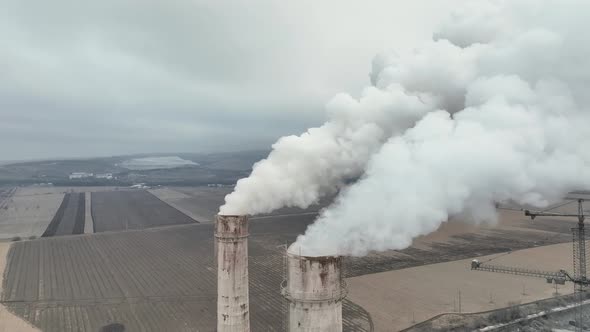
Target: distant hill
177,169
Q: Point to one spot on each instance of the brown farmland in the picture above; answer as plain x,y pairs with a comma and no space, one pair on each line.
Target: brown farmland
136,209
5,195
396,298
201,203
164,278
9,322
70,217
161,279
27,212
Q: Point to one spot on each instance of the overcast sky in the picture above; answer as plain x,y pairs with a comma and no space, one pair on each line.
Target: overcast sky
95,78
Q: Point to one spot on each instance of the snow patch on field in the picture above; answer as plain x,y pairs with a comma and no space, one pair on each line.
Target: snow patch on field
156,163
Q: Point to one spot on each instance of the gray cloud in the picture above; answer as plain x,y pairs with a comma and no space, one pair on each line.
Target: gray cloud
83,78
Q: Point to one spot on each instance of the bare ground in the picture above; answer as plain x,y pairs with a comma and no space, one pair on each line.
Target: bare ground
184,203
28,213
137,209
161,279
88,223
10,322
69,218
40,190
399,299
200,203
135,269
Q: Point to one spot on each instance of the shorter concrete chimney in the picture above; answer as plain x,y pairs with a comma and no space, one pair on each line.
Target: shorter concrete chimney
315,290
231,235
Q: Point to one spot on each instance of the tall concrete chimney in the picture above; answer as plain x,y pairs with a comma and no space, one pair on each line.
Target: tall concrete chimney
233,312
315,290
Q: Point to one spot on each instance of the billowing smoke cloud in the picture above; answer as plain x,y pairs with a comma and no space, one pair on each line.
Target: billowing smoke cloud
302,169
501,98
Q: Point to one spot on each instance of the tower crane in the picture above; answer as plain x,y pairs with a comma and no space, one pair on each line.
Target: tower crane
579,276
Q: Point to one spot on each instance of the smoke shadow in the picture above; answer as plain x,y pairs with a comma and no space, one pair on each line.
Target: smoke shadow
114,327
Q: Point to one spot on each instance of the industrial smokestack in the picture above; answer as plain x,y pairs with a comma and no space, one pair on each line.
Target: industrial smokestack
315,290
231,233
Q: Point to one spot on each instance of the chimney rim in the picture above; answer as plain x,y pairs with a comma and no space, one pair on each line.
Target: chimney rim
294,249
231,215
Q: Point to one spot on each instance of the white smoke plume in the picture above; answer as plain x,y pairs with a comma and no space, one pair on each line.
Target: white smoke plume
494,108
302,169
